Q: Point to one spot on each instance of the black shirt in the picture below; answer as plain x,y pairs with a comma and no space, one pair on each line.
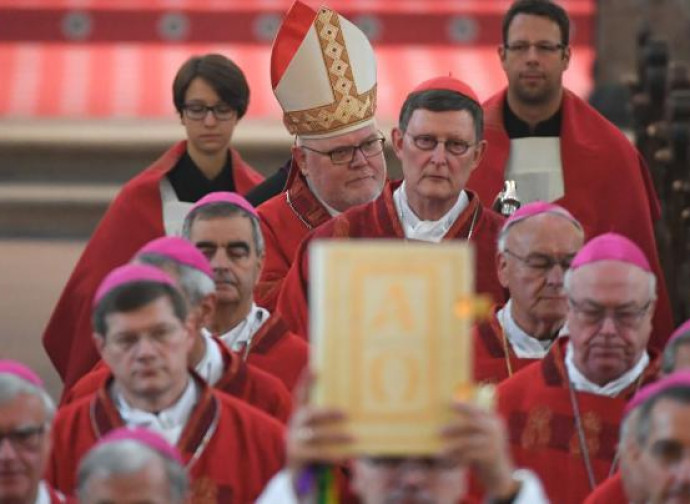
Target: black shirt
517,128
190,183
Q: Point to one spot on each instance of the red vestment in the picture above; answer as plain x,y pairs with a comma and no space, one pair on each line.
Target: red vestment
379,219
607,184
55,496
240,380
230,450
489,344
538,411
134,218
285,220
278,351
609,492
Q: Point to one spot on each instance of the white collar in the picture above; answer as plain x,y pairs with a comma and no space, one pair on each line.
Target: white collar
612,388
524,345
168,422
42,496
239,338
431,231
332,211
211,365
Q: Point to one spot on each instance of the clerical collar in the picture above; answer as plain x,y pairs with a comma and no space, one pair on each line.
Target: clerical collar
169,422
612,388
332,211
191,184
239,338
517,128
430,231
42,496
211,365
524,345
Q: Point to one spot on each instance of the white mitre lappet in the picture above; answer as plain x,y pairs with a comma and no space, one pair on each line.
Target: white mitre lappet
323,73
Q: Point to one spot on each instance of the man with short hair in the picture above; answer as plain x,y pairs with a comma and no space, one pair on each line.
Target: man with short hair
211,95
535,248
140,319
226,229
129,466
564,411
676,355
558,148
439,143
210,358
323,73
26,417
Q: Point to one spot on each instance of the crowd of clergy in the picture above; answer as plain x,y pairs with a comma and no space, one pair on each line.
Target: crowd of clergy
182,336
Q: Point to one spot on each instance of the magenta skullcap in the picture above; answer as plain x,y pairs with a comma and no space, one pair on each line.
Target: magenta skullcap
225,197
676,379
20,370
682,330
447,83
538,208
131,273
145,437
611,247
178,250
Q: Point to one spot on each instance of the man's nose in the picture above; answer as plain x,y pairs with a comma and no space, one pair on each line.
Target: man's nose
220,259
608,324
7,450
555,275
210,118
439,154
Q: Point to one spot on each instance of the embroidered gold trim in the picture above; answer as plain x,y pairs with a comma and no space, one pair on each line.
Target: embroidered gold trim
348,107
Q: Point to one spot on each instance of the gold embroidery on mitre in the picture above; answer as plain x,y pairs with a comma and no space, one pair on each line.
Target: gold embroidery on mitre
204,491
348,107
537,432
592,426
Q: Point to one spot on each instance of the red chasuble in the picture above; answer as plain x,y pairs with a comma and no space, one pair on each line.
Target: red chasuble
285,220
490,360
134,218
230,450
278,351
607,184
379,219
537,407
609,492
55,496
242,381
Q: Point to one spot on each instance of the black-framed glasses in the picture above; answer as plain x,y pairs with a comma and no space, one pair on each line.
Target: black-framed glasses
543,262
343,155
593,314
27,437
543,48
429,143
199,111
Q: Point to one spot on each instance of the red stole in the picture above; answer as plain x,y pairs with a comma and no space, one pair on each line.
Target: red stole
278,351
134,218
285,220
538,410
230,450
379,219
490,347
609,492
608,186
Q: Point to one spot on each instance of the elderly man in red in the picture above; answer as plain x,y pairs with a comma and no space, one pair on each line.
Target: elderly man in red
535,248
229,449
564,411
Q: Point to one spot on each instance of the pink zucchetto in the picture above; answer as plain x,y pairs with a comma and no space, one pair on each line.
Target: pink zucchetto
130,273
538,208
20,371
179,250
146,437
611,247
447,83
226,197
682,330
677,379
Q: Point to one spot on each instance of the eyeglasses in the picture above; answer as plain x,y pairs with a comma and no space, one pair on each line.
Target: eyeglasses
199,111
24,438
429,143
594,315
344,155
542,48
542,262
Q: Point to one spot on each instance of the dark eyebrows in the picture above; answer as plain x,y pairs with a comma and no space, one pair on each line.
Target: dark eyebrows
239,244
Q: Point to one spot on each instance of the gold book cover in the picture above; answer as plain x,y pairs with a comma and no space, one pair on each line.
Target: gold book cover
390,338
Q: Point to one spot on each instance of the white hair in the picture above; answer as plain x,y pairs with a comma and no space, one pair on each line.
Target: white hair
505,230
195,284
11,386
568,283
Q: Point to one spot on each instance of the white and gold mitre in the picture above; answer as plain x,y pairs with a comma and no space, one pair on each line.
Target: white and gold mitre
323,73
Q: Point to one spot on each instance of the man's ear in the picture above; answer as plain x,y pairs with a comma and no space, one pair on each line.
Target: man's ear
397,141
502,269
207,310
99,342
299,157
